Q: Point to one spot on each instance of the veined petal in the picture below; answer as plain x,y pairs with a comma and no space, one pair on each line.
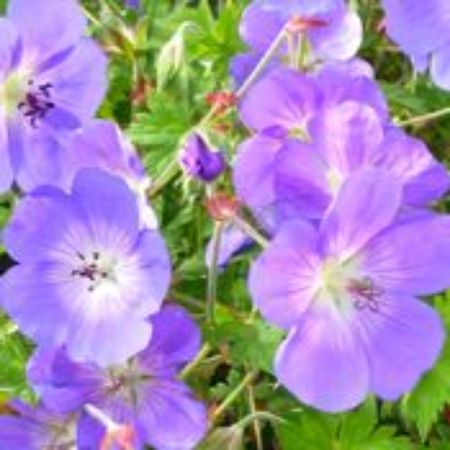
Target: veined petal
412,256
302,187
283,279
402,341
367,203
254,170
284,98
47,26
323,364
176,338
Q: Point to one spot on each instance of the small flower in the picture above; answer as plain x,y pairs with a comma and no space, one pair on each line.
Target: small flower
422,30
200,161
52,80
101,144
332,31
143,393
347,292
87,275
36,429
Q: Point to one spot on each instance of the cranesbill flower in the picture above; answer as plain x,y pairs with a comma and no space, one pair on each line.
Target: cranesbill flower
200,161
348,294
347,138
422,30
87,275
143,393
329,30
280,108
101,144
52,80
36,428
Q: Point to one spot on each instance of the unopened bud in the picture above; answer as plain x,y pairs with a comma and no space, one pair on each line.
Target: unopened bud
221,101
200,161
222,207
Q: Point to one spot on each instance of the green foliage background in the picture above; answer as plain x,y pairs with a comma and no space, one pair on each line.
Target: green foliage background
164,61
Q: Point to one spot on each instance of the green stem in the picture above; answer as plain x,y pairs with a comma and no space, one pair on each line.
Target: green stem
425,117
91,17
234,395
213,272
202,354
256,424
251,231
168,174
258,416
268,55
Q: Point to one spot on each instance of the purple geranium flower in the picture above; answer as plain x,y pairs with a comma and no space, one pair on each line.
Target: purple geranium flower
280,108
101,144
52,80
143,393
200,161
36,429
332,31
422,30
87,275
348,294
348,137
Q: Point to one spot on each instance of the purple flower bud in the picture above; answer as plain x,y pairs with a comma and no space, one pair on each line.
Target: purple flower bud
200,161
134,4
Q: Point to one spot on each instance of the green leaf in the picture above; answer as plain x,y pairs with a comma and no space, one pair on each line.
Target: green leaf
423,405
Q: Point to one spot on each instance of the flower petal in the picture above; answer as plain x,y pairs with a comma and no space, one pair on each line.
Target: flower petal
440,66
172,419
323,364
301,183
176,338
401,260
48,26
282,279
367,203
402,341
284,99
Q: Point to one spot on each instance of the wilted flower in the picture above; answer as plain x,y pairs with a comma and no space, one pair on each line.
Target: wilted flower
422,30
143,393
87,275
52,80
200,161
348,294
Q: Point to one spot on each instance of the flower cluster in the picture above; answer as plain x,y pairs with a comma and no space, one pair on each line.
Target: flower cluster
91,268
341,198
345,195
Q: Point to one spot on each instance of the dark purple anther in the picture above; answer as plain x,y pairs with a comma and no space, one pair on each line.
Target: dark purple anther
37,103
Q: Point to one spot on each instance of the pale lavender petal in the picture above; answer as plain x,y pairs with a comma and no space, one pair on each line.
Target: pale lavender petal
411,257
63,385
6,170
175,341
403,340
440,65
109,206
340,40
253,170
283,99
79,83
48,26
322,362
282,279
424,178
172,419
301,183
367,203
